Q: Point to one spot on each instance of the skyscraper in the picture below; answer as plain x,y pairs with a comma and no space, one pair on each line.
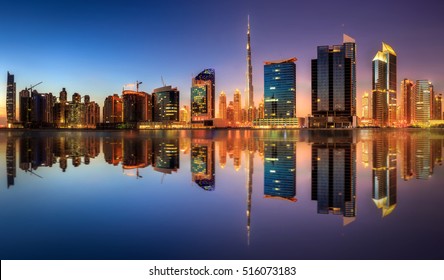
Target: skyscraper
384,86
366,105
250,96
437,107
423,97
112,109
334,85
222,106
203,96
237,103
407,102
136,106
165,104
279,93
10,99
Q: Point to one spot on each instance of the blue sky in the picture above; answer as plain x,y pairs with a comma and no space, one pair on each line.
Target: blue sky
95,47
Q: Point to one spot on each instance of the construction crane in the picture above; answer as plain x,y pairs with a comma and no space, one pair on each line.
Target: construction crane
163,82
137,85
31,87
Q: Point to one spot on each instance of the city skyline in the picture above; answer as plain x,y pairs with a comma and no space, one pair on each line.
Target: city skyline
100,65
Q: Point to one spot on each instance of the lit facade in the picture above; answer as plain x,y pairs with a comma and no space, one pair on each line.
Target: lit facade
366,106
249,103
408,101
437,107
203,96
222,106
384,86
237,103
113,109
334,86
423,100
203,164
10,99
279,93
165,104
136,106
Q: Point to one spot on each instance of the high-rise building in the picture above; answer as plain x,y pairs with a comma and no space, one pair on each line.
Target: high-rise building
184,114
280,170
261,112
165,104
366,106
384,86
10,99
423,97
237,101
334,175
334,85
136,106
279,93
60,108
250,96
437,107
230,113
42,105
92,114
222,106
408,101
25,107
113,109
203,96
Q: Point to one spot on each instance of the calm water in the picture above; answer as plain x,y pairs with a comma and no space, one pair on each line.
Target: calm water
365,194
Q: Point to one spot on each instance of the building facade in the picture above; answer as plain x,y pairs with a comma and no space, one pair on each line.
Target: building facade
384,86
113,109
166,106
334,86
279,94
423,100
203,96
222,106
10,99
136,106
408,101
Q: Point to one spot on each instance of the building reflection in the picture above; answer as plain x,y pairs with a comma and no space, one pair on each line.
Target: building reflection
166,156
384,179
333,175
203,163
11,161
280,169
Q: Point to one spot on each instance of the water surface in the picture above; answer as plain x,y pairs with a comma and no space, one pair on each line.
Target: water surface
224,194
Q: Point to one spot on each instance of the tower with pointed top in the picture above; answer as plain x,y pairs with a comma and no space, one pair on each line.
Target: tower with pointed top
384,86
250,98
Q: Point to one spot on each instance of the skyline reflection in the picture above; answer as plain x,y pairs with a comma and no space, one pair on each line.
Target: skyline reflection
327,174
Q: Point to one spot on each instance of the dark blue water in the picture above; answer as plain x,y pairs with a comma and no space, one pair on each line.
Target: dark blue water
226,194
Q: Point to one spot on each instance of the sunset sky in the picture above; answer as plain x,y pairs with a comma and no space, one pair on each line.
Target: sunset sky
95,47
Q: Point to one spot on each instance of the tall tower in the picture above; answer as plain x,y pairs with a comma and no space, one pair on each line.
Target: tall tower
222,106
10,99
384,86
237,106
250,99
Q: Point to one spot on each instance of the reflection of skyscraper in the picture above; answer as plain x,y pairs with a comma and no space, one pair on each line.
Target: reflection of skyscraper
136,154
384,86
112,150
365,153
202,163
280,170
384,173
423,165
334,176
10,160
408,157
249,168
223,153
166,155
